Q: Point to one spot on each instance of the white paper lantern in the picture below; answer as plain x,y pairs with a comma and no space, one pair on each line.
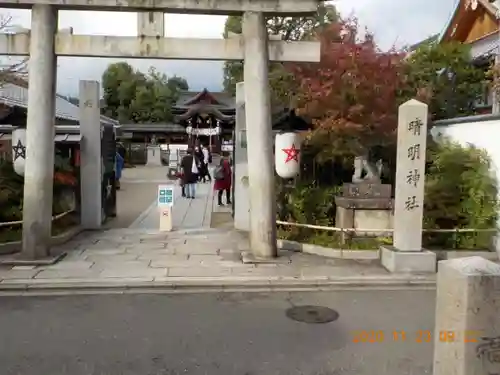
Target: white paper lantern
287,154
19,150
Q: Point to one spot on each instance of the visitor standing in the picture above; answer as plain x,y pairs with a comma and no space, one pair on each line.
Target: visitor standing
120,162
190,166
199,156
206,162
222,177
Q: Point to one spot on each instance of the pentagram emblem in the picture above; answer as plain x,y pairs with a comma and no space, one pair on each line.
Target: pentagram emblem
292,153
19,150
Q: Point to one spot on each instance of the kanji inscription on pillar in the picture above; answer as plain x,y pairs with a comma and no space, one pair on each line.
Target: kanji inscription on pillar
410,176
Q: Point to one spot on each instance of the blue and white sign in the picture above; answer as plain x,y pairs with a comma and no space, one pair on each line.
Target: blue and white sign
165,196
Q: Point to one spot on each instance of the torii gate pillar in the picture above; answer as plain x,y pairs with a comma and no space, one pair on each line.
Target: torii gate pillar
259,137
39,168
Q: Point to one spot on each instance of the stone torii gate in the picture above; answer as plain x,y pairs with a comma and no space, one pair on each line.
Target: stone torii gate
44,43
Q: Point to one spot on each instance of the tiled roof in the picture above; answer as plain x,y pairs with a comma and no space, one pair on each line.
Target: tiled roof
224,99
17,96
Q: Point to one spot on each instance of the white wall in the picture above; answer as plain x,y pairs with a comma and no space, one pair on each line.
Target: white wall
485,46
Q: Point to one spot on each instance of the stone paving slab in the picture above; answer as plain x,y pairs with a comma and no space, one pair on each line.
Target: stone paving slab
133,272
67,274
12,274
71,265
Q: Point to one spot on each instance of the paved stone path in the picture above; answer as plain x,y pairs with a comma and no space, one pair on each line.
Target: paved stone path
192,255
187,213
139,187
197,258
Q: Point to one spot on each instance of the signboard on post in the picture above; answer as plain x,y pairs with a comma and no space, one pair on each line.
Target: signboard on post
165,202
165,196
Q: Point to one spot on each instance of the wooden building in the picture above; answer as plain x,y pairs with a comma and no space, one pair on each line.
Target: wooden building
13,113
474,22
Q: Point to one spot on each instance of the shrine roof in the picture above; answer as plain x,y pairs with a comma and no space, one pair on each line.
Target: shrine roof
206,109
219,100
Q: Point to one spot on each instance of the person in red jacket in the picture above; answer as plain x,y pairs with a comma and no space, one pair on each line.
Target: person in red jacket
222,176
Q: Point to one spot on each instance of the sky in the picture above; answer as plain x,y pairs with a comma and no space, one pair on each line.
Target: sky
393,22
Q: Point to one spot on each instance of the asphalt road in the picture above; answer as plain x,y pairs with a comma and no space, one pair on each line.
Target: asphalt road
213,334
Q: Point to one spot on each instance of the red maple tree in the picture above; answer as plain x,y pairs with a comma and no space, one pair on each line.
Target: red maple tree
352,94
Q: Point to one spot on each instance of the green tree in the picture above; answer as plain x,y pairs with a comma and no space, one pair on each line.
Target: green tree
445,77
119,83
290,29
178,83
133,96
460,192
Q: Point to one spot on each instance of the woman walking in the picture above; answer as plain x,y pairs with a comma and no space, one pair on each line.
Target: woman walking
223,176
190,168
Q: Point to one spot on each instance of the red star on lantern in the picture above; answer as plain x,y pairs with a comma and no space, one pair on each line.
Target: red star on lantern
292,153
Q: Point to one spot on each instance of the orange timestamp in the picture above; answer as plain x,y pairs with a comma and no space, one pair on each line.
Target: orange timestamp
420,336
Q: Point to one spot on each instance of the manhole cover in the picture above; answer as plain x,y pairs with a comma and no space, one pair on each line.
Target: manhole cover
312,314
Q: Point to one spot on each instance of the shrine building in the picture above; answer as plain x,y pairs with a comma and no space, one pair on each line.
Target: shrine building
206,118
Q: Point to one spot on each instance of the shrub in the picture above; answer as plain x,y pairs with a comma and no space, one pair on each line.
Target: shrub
461,191
11,190
307,204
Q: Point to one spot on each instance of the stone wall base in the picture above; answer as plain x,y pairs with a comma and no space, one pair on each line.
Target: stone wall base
407,261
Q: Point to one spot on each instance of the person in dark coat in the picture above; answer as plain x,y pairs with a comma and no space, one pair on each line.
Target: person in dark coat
223,176
190,166
199,156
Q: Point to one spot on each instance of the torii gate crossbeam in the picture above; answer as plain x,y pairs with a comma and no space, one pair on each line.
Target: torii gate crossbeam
216,7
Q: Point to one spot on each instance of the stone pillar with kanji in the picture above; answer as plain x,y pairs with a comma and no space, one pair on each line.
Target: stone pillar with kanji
406,254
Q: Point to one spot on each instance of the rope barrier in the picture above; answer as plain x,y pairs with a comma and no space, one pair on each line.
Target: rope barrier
15,223
335,229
